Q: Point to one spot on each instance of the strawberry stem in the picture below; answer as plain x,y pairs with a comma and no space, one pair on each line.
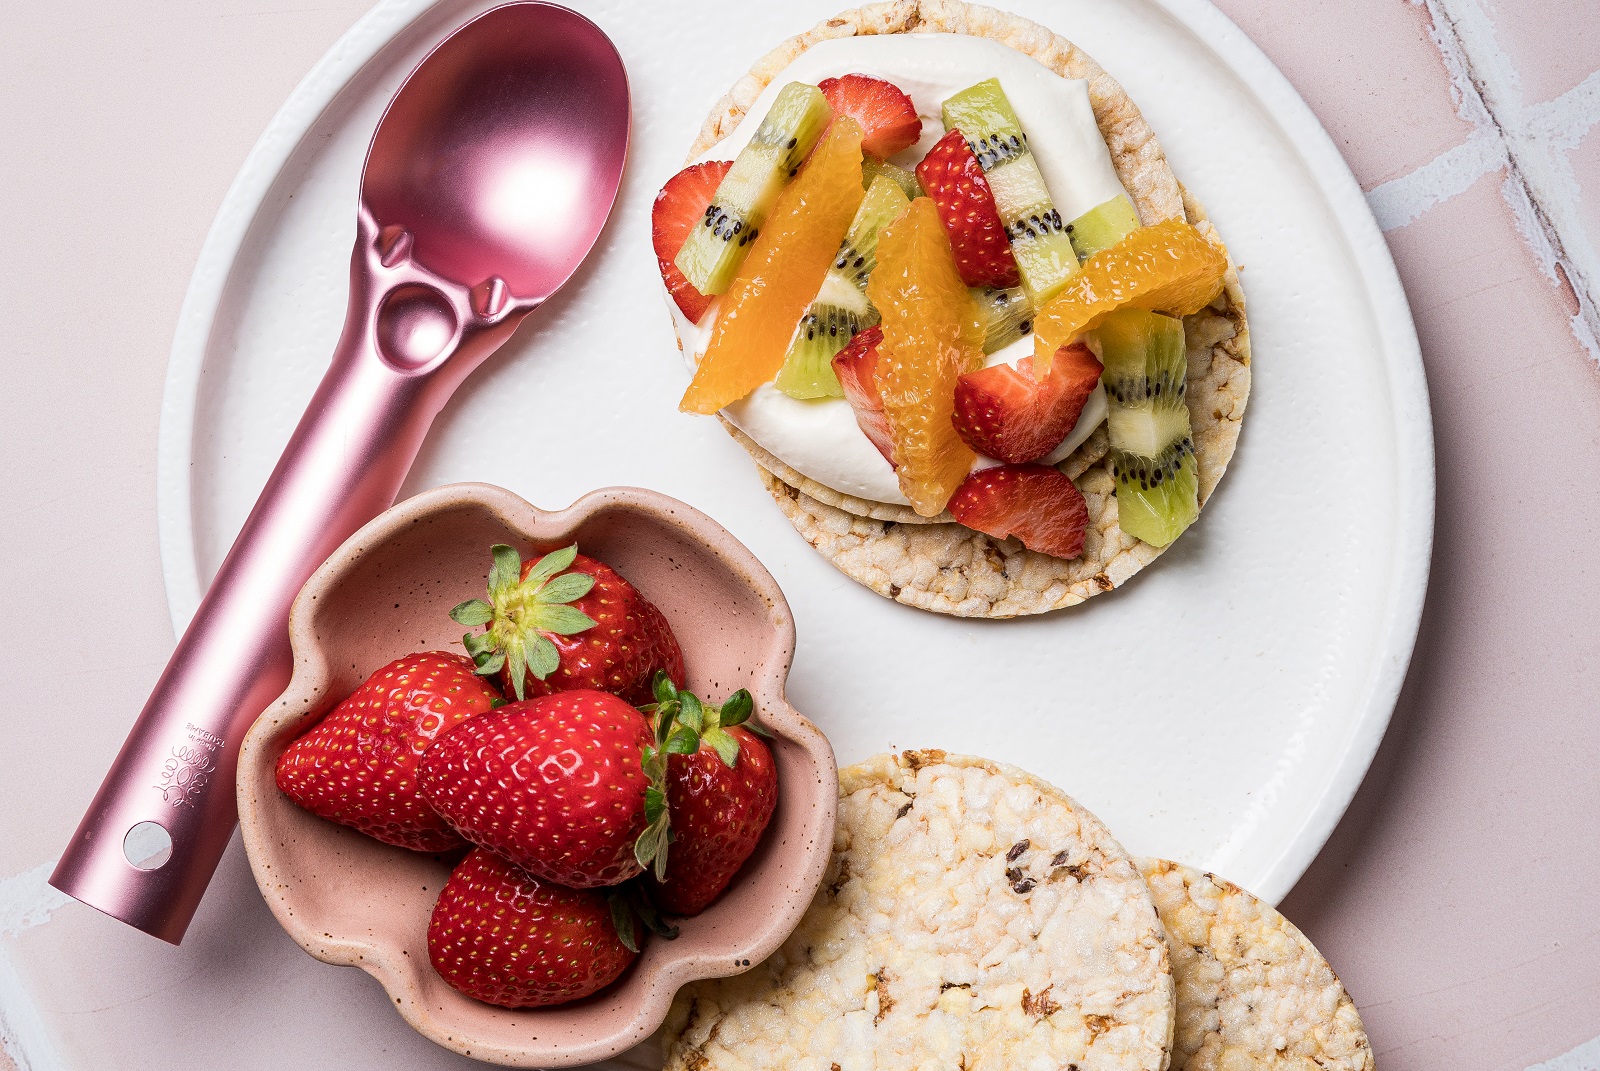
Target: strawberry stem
523,613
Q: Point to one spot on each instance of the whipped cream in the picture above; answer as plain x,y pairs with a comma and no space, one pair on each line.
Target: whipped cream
820,439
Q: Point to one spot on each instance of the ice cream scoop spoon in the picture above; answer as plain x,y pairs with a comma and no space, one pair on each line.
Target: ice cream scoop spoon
487,182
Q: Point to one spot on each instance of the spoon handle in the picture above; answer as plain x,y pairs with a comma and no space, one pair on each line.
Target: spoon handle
150,841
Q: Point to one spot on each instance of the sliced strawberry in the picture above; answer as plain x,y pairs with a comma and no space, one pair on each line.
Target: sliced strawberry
1005,413
951,176
857,366
679,206
888,119
1039,505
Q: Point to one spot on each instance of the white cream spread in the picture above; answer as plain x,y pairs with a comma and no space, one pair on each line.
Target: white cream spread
820,439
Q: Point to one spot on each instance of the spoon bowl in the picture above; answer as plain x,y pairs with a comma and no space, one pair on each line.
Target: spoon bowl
501,155
487,182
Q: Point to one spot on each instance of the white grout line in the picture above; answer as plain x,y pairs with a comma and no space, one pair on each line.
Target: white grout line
1540,188
1399,201
28,900
1585,1057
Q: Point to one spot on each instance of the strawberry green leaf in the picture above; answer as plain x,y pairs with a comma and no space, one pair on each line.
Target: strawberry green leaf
542,659
472,613
548,566
568,587
622,920
655,804
506,571
694,713
639,901
726,747
561,619
737,708
759,729
683,741
663,687
517,670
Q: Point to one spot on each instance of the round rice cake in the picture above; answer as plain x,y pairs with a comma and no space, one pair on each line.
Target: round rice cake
973,917
1253,993
952,569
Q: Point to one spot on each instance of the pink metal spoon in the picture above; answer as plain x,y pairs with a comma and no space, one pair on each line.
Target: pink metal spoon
488,179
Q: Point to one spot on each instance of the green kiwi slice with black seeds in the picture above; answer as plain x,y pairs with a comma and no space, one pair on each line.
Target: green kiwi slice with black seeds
1152,447
841,308
1038,235
711,255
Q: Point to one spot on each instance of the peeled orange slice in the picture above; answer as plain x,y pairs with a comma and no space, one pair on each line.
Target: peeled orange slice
782,273
932,333
1169,267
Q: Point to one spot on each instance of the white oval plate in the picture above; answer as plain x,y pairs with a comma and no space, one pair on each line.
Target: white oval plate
1220,710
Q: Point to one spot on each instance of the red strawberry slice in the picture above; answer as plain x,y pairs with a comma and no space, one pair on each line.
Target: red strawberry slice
1039,505
502,936
1005,413
553,784
951,176
888,119
721,796
566,621
857,368
679,206
358,765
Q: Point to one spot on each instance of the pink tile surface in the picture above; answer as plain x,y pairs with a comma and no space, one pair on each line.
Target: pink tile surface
1370,73
1552,44
1456,900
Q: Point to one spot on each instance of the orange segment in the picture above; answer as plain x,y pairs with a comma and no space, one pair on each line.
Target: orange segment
782,273
1169,267
932,333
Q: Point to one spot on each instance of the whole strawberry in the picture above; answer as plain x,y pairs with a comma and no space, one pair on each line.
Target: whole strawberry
555,784
566,621
358,765
722,786
502,936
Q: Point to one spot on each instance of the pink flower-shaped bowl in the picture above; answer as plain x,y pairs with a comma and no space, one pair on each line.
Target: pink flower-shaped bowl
386,592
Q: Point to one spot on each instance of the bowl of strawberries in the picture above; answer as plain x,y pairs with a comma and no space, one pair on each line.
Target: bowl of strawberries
536,770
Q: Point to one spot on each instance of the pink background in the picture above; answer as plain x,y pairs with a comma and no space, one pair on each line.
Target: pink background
1458,897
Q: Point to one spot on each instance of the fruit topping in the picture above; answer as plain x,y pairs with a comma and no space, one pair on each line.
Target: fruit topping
871,168
1036,230
841,308
932,333
502,936
888,119
1168,267
1037,504
679,206
856,367
358,765
1007,316
952,177
556,784
1007,414
722,787
567,621
782,275
1103,226
1152,451
729,226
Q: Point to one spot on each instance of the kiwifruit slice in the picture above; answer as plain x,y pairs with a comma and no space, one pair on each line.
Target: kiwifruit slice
841,307
714,250
872,167
1152,450
1103,226
1007,315
1038,234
